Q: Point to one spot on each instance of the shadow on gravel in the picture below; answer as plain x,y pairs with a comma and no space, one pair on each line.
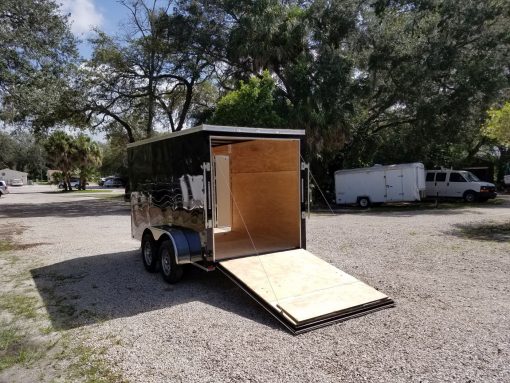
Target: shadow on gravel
411,209
73,208
497,232
87,290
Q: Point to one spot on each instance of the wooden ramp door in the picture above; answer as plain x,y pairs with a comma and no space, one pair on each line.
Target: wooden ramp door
302,291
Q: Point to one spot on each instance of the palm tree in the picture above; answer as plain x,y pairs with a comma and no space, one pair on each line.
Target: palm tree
87,157
60,149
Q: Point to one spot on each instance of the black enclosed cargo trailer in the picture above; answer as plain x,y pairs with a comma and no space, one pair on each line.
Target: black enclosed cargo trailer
235,199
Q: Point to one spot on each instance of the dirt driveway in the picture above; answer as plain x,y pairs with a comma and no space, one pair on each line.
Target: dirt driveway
76,304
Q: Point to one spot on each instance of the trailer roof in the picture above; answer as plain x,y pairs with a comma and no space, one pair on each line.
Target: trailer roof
381,167
221,129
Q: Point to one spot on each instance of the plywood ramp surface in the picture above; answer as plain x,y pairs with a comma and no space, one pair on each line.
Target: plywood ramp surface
302,287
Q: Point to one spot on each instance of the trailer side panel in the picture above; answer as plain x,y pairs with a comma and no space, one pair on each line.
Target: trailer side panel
167,183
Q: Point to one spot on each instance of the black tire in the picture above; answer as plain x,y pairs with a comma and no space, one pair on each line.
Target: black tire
149,253
363,202
171,271
470,196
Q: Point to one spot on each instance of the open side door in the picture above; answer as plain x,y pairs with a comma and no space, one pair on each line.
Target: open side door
302,291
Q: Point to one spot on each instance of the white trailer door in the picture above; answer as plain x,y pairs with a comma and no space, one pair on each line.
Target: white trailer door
302,291
394,185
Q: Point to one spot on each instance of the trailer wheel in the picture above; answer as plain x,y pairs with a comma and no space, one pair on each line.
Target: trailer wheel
469,196
171,271
149,253
363,202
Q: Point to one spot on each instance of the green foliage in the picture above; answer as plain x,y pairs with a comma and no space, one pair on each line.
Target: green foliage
56,178
21,151
433,70
359,75
151,76
8,152
251,105
380,81
498,125
86,157
37,52
59,147
69,154
34,37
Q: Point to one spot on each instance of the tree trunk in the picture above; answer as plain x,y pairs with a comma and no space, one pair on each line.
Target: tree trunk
185,107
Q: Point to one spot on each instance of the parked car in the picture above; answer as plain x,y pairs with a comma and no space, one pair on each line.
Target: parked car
17,182
449,183
113,183
3,188
75,183
506,180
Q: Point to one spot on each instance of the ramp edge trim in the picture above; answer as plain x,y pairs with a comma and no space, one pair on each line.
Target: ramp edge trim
316,323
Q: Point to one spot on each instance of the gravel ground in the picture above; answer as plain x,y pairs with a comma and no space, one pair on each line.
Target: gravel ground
446,269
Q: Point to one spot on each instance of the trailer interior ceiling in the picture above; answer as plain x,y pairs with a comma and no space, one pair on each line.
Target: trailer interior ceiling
257,184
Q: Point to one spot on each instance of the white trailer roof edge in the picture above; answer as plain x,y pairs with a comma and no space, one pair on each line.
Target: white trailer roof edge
381,167
220,128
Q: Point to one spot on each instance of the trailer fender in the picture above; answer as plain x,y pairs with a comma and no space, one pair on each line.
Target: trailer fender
186,243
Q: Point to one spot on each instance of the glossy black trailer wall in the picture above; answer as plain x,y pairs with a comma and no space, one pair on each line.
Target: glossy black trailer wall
167,183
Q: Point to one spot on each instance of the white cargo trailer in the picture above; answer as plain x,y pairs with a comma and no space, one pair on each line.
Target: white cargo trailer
378,184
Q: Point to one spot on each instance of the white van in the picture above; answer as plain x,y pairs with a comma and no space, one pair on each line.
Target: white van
449,183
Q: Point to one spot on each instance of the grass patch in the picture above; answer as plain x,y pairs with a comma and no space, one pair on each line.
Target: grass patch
8,336
46,330
19,305
92,369
6,245
498,232
14,348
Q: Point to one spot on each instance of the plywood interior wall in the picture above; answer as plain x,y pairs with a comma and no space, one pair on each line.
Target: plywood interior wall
264,185
223,200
